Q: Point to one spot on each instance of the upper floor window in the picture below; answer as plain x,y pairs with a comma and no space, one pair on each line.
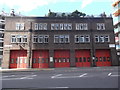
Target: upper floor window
40,26
100,26
61,26
82,38
102,38
19,39
13,39
19,26
61,39
40,38
81,26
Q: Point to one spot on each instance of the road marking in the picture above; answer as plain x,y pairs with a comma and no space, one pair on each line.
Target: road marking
56,76
58,87
83,75
115,75
9,76
28,77
109,74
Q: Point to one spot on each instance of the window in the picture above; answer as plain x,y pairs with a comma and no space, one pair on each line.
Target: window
100,26
96,38
36,26
40,26
107,39
69,26
56,39
61,38
61,26
81,39
76,39
66,38
87,38
56,26
81,26
52,26
35,39
46,38
19,26
101,38
40,39
24,39
104,38
13,39
19,39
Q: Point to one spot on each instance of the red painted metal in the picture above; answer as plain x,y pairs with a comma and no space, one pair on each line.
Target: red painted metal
40,59
18,59
82,58
103,58
61,58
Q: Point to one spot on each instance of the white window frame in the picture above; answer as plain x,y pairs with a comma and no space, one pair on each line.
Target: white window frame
60,39
35,37
66,39
20,38
19,26
87,37
76,38
81,39
100,25
25,39
13,39
61,26
102,39
45,26
52,26
46,38
36,26
40,39
97,37
69,26
65,26
56,38
77,26
85,26
107,36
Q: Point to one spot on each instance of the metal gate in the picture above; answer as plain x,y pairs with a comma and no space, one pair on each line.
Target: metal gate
40,59
103,58
82,58
62,58
18,59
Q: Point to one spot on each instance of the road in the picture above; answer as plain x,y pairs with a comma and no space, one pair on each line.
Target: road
94,77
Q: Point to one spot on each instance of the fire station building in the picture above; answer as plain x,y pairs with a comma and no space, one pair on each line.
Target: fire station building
46,42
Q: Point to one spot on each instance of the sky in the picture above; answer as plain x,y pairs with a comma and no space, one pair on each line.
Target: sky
41,7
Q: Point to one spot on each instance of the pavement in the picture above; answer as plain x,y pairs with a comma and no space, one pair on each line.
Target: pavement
81,68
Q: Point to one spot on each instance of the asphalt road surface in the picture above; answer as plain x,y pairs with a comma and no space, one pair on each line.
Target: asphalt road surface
94,77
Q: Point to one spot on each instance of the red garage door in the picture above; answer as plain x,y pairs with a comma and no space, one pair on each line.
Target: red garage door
82,58
62,58
18,59
103,58
40,59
